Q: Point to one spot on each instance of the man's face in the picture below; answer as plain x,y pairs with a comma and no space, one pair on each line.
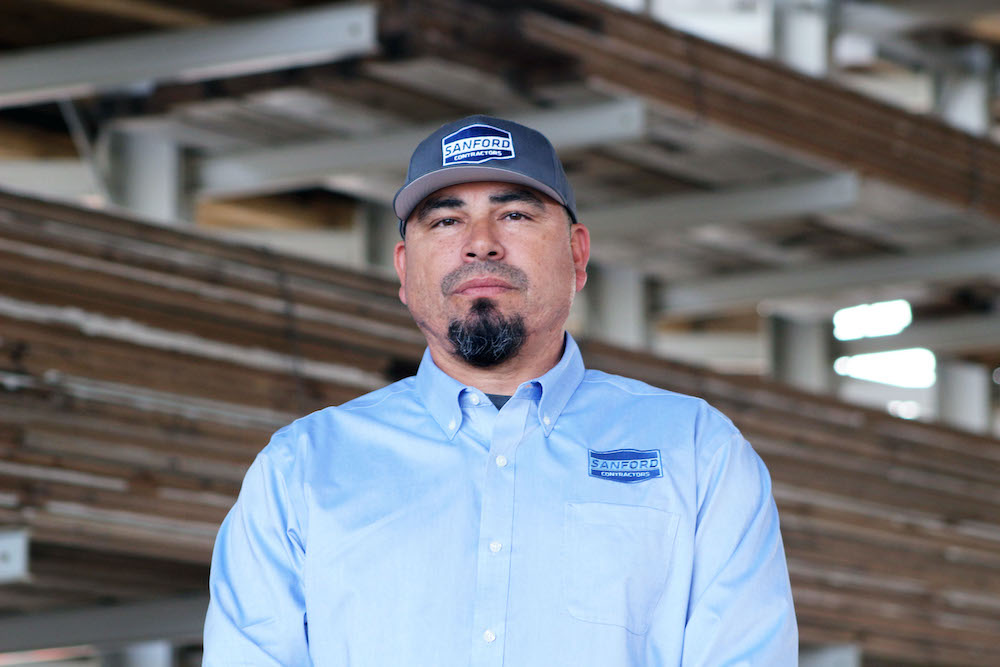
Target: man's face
485,259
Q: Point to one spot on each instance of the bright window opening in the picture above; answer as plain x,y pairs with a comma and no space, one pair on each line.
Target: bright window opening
884,318
904,409
913,368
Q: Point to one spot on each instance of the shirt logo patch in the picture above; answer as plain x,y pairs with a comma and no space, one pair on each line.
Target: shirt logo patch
477,143
626,465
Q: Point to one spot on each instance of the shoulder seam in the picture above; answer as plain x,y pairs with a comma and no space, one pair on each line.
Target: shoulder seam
388,395
610,379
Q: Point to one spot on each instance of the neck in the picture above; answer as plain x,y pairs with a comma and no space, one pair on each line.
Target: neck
533,360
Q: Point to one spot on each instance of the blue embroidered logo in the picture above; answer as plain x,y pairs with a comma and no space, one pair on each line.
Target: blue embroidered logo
626,465
477,143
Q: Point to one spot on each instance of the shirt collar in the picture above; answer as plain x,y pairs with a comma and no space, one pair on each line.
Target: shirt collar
559,384
440,392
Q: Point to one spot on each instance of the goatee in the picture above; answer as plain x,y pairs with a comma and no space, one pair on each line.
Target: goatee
486,338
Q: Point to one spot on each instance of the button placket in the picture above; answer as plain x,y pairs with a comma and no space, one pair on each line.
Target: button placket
495,529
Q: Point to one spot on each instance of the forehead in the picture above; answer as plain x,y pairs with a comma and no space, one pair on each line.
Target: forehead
463,194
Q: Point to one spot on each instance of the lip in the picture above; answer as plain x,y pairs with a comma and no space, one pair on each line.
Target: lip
485,286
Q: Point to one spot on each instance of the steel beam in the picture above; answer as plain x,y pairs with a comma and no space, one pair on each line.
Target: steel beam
954,334
729,349
707,294
884,19
241,47
175,619
59,177
311,163
678,213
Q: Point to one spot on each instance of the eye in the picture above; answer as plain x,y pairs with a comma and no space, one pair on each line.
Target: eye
516,215
444,222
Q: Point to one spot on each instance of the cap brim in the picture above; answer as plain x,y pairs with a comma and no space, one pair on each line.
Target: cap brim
411,195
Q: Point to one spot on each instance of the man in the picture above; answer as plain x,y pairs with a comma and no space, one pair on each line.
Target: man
505,506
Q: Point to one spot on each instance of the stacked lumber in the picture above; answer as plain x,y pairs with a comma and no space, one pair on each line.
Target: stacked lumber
630,53
142,368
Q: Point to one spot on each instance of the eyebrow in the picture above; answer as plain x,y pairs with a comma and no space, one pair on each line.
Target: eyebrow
450,201
526,196
435,203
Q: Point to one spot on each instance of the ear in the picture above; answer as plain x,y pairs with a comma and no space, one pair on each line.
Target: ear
579,243
399,262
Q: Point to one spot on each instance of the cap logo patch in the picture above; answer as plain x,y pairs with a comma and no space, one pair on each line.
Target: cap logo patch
626,465
478,143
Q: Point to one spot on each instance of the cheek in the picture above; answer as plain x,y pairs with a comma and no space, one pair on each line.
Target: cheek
423,293
562,269
417,286
555,280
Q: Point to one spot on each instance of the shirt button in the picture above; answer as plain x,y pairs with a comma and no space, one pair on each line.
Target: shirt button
501,461
489,636
475,399
451,425
495,547
546,420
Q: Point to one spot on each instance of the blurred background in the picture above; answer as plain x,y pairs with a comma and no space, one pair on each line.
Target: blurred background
795,211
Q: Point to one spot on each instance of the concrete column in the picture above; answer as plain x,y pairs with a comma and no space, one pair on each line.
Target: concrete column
801,353
144,654
146,171
800,35
964,395
381,236
618,305
996,403
964,98
844,655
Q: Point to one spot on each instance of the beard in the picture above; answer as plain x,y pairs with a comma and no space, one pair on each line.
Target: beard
485,338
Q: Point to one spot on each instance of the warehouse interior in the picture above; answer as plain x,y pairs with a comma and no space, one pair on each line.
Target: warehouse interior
795,212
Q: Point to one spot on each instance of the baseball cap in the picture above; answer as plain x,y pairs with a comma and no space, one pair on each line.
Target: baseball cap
482,148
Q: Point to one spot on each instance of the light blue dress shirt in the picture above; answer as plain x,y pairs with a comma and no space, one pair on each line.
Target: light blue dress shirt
420,526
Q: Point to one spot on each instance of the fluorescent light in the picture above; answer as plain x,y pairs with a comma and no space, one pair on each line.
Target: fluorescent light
868,320
912,368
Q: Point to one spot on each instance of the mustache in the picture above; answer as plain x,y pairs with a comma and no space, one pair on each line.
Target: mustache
513,275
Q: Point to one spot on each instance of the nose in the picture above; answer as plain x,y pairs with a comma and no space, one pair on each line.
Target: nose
482,242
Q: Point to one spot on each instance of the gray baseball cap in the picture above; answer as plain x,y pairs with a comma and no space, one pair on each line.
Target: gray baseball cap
482,148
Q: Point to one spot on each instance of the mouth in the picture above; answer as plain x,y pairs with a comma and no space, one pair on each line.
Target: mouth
484,286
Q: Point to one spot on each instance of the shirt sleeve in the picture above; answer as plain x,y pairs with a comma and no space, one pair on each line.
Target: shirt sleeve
740,610
256,615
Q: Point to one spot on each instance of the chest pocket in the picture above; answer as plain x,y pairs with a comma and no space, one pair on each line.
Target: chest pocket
616,558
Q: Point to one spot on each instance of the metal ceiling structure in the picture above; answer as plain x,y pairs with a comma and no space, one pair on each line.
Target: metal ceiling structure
721,198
